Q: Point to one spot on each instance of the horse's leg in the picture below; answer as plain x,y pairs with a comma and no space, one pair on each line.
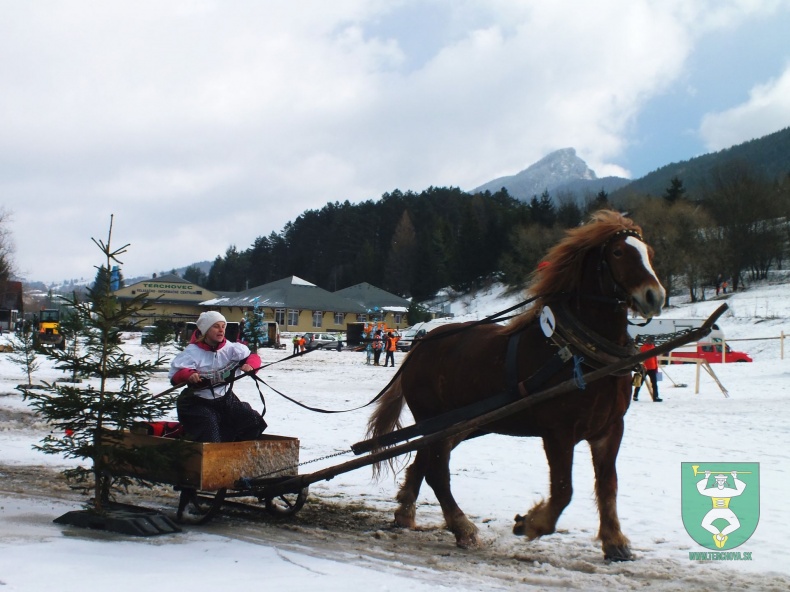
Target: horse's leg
437,476
604,455
409,490
542,517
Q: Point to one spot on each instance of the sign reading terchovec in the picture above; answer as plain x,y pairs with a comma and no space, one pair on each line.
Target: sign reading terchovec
163,288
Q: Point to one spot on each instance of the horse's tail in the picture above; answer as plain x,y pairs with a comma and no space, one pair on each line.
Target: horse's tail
386,416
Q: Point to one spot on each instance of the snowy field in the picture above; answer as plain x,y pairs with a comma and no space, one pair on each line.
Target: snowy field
494,478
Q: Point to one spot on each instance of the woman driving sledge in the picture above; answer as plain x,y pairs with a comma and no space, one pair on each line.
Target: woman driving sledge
208,409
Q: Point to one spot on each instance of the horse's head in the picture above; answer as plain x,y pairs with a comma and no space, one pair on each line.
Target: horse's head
626,259
606,259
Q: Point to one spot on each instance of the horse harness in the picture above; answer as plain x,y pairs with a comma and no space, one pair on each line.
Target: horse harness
574,341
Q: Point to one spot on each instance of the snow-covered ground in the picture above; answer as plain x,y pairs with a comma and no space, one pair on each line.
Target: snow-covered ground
493,479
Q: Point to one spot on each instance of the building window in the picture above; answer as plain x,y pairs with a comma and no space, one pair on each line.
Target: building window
293,317
398,318
318,319
362,318
279,316
339,318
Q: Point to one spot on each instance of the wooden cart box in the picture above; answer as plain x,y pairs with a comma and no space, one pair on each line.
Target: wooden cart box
210,466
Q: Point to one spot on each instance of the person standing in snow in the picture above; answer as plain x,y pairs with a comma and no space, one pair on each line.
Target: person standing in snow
390,345
207,408
242,330
651,370
377,347
368,353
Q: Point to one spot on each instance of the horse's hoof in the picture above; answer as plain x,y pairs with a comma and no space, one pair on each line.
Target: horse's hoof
467,542
465,533
405,522
615,553
520,527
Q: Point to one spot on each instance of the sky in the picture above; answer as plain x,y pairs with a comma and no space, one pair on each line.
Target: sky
493,478
201,125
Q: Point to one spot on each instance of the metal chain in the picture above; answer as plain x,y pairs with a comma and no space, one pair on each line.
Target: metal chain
306,462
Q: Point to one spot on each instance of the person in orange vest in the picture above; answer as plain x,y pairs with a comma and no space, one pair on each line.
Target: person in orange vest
651,370
302,343
390,345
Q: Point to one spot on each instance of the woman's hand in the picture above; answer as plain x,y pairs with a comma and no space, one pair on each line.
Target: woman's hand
245,368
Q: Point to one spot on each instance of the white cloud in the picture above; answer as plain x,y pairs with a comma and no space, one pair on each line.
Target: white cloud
767,110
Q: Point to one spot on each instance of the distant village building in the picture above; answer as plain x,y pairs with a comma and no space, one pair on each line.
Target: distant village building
170,297
296,305
11,304
390,308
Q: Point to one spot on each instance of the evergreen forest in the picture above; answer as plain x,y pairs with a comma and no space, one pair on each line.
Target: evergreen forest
414,244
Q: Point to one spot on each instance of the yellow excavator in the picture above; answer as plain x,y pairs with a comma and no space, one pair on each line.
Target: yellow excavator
49,329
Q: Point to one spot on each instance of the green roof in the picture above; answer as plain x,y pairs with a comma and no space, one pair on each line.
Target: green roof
291,292
371,297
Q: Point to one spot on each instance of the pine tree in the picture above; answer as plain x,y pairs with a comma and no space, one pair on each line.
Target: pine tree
675,191
85,420
71,327
254,332
25,355
401,256
195,275
162,334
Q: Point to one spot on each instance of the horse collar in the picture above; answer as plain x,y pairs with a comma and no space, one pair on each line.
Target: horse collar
570,332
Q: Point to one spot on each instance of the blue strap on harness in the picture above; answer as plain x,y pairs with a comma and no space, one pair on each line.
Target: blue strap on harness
578,375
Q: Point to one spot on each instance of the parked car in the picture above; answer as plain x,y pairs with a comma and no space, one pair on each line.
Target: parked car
322,341
710,352
420,330
147,334
407,339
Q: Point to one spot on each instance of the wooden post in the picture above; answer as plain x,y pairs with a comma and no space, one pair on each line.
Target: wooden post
696,380
782,345
709,370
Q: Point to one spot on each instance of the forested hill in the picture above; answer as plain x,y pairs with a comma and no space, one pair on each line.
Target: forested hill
767,157
414,244
408,243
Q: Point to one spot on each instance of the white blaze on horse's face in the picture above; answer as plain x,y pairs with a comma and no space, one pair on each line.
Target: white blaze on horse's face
642,248
649,299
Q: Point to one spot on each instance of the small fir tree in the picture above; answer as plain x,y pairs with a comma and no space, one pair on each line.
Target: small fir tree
85,420
25,355
254,333
71,327
163,334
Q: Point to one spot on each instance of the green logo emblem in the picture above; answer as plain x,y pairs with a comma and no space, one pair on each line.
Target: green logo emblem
720,502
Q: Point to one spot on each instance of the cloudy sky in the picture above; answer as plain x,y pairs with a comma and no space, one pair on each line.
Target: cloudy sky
201,124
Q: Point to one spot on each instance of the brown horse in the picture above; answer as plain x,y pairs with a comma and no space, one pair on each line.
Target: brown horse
587,283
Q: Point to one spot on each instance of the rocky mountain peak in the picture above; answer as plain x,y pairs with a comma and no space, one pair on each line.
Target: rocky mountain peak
557,170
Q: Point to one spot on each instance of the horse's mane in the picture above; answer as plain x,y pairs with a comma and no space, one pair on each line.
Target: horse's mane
560,270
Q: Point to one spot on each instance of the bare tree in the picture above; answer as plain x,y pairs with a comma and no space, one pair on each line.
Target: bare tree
6,247
747,214
681,252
